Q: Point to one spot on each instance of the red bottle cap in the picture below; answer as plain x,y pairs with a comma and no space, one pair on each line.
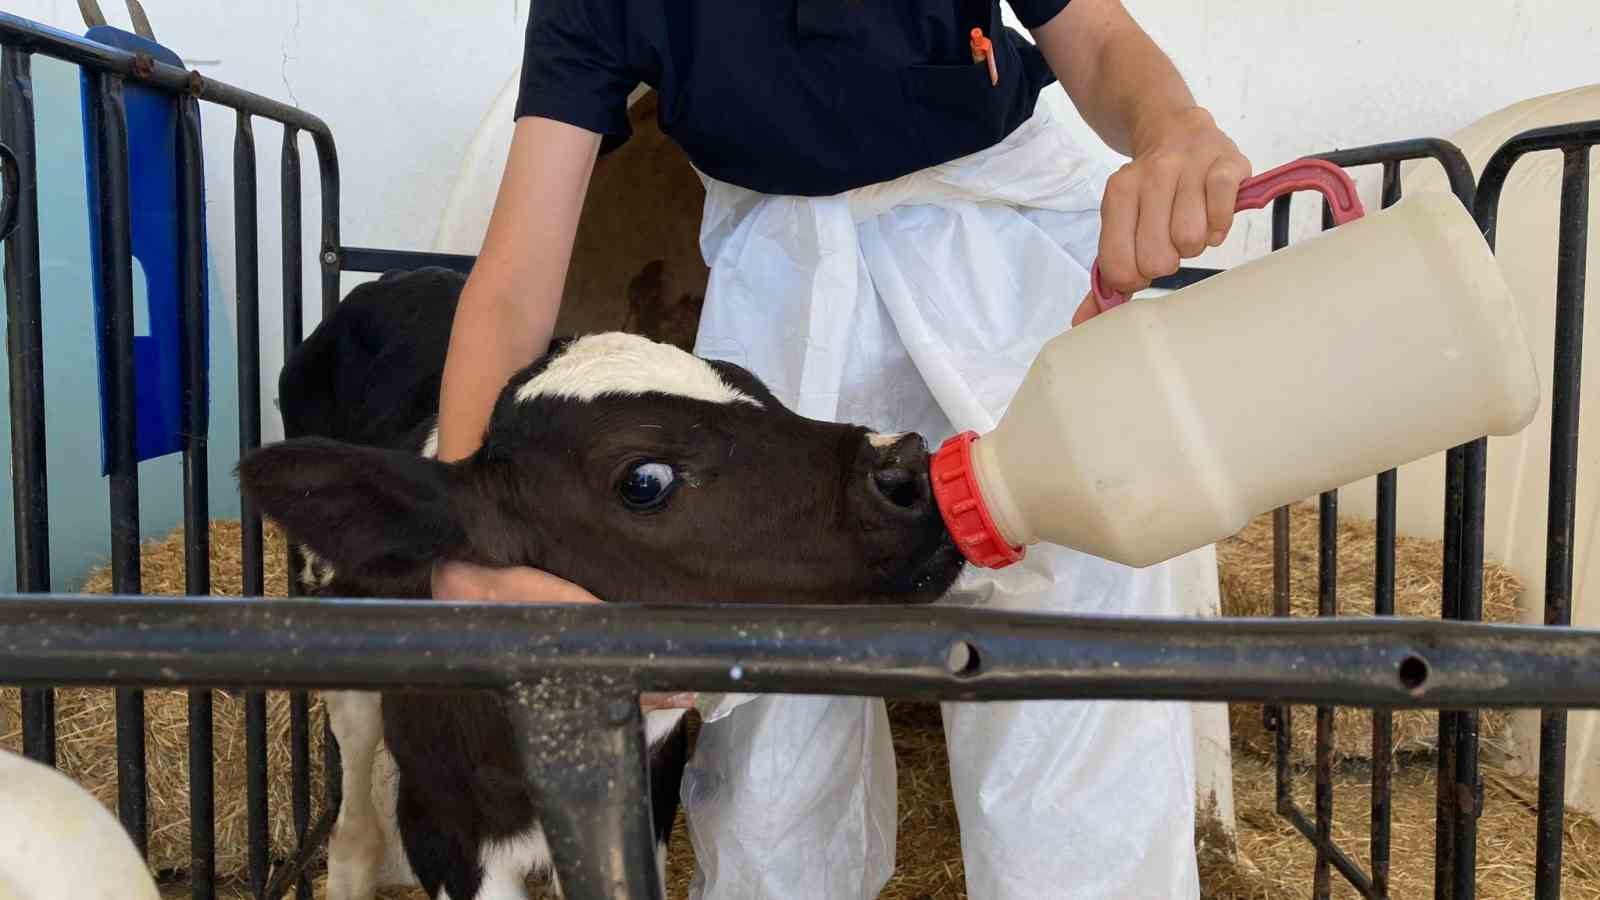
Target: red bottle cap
966,516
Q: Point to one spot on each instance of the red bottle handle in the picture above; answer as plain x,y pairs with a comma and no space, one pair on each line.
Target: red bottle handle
1255,193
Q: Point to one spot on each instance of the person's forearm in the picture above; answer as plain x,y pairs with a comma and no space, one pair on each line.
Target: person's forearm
496,332
1122,84
507,311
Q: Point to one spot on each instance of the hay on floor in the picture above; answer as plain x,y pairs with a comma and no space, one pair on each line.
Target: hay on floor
1244,564
1273,861
1266,860
86,726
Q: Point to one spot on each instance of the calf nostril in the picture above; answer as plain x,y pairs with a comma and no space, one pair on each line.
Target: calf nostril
899,486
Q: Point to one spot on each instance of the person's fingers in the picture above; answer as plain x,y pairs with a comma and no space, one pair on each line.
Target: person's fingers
1222,191
1119,220
454,580
1088,309
1189,230
651,702
1153,252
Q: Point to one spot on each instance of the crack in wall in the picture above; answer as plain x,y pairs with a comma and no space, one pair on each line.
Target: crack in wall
293,40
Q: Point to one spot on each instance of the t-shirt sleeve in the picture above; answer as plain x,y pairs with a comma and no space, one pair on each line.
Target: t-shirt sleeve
574,66
1033,13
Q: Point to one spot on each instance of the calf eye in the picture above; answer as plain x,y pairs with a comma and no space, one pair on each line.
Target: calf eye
646,485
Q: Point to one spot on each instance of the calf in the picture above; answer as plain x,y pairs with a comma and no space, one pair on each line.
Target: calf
630,467
60,842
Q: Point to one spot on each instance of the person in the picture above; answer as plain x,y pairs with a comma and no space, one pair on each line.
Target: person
894,224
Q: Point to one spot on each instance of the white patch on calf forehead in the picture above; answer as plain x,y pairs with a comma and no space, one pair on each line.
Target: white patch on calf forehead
884,440
619,363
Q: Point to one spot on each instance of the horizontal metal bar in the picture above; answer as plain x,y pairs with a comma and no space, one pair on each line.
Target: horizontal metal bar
878,651
369,259
32,37
1457,170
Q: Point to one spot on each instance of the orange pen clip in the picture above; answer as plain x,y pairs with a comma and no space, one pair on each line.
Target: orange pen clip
983,50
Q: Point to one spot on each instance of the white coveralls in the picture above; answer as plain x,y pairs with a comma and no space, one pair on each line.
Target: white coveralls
918,305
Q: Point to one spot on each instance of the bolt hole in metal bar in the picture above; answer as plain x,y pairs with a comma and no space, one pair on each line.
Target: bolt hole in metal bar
107,68
1575,142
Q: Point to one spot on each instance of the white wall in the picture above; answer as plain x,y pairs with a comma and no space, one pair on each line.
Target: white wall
1290,77
405,84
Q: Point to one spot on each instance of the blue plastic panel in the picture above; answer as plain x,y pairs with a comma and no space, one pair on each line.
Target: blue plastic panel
154,206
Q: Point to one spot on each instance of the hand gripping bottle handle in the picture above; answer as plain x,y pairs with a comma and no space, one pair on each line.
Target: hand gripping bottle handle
1255,193
955,485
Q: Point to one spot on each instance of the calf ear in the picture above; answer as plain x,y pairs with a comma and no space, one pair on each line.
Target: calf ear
369,512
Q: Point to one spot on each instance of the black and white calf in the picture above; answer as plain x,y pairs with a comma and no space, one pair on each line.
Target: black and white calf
630,467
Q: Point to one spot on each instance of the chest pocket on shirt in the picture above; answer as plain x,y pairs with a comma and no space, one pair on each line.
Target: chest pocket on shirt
958,104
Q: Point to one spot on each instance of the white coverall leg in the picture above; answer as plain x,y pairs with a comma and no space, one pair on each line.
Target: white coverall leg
918,304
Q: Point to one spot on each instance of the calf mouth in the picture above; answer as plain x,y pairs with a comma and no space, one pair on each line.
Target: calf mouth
927,575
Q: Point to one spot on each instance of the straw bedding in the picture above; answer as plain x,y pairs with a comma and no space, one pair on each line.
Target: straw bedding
1244,562
1267,861
1266,858
86,731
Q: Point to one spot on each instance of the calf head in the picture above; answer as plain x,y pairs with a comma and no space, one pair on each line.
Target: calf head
639,471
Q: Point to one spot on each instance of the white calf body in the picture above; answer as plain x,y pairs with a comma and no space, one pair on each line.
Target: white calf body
57,841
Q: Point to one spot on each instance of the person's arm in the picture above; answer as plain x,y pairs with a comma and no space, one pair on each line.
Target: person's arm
509,305
505,318
1176,195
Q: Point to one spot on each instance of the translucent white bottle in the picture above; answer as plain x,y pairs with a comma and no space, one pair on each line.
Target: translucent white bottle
1161,426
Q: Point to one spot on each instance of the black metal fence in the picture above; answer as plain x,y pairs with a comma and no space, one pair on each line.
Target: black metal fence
598,824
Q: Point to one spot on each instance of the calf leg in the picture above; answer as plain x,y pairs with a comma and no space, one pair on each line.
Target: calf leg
445,868
355,849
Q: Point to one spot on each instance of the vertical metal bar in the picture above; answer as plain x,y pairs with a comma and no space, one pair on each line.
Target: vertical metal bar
1383,718
1571,266
193,308
328,172
593,792
258,826
300,771
293,283
332,265
1469,608
1457,795
110,135
247,297
293,328
1383,605
25,367
1327,605
1445,807
1281,718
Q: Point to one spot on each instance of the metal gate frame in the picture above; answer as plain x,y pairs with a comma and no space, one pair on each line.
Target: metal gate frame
598,827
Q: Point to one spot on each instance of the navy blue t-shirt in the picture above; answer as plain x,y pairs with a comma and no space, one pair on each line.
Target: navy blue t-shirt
811,97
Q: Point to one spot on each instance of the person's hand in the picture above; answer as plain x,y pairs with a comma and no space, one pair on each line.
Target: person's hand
455,580
1172,200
